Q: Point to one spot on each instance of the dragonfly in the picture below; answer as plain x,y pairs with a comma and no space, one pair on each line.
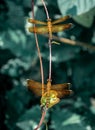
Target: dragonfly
52,93
49,26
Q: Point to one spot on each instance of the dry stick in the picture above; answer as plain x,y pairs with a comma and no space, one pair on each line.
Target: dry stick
39,53
49,42
41,121
47,14
72,42
50,57
41,68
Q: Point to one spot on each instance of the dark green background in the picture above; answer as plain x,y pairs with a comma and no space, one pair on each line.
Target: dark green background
20,108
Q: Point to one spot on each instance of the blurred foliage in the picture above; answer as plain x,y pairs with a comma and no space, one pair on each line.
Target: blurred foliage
19,108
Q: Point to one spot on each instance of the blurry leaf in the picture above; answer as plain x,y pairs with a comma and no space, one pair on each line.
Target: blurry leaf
83,72
27,3
51,2
40,13
26,125
15,67
48,3
58,116
73,127
86,19
30,119
17,101
19,44
92,108
75,7
3,15
66,120
62,53
5,55
72,120
15,15
31,114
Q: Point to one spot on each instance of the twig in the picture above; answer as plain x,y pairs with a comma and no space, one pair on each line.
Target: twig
47,14
41,121
73,43
49,42
39,53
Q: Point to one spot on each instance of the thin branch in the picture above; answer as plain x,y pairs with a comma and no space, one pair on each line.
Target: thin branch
73,43
39,53
45,9
50,59
49,42
41,121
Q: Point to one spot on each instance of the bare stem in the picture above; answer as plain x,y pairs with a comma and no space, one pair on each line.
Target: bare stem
45,9
73,43
41,120
39,53
50,58
49,42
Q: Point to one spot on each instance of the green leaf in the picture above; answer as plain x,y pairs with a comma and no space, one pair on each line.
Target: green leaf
75,7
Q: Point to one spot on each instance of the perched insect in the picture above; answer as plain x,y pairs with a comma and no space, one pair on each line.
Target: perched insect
52,93
50,26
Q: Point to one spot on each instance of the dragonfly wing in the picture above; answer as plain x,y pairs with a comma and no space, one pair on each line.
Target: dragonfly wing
58,28
62,89
35,87
62,94
36,21
61,20
39,30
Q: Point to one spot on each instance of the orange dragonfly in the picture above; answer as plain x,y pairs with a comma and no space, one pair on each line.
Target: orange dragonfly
49,26
52,93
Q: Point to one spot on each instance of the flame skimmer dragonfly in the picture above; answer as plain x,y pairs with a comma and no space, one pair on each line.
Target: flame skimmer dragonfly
49,26
52,93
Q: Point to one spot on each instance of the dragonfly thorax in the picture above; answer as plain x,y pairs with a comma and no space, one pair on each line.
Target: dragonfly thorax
49,99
